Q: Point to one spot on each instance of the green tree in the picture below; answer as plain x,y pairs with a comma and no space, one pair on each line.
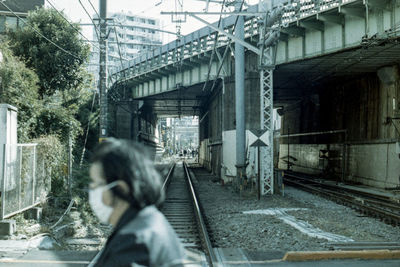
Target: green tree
57,70
19,87
63,80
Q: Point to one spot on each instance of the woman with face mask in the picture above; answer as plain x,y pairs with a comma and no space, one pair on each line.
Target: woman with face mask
125,190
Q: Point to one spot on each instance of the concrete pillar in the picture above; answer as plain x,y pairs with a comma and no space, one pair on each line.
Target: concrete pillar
240,99
389,78
8,131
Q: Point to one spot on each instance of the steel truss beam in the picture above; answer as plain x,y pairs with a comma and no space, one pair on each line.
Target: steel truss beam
268,39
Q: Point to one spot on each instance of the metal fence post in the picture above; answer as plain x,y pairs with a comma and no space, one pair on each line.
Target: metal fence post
34,175
20,175
3,186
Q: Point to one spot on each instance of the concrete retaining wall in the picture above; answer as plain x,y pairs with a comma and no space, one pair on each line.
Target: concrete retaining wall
375,165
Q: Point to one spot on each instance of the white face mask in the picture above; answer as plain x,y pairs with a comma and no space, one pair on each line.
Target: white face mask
102,211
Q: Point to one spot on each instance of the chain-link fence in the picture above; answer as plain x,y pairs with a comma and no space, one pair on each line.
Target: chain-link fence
22,186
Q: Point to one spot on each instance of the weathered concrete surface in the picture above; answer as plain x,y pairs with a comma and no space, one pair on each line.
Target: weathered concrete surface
8,131
134,122
217,151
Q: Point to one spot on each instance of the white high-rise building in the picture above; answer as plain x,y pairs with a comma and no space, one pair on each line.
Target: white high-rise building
134,34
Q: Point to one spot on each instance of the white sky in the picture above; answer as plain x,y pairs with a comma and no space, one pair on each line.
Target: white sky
76,13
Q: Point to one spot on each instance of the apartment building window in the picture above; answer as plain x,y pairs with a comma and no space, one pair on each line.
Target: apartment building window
8,22
2,23
152,22
12,22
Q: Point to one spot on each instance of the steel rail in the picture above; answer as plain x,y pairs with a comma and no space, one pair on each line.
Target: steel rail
202,227
167,179
353,201
374,199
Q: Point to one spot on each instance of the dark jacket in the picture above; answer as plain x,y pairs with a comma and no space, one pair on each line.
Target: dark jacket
142,238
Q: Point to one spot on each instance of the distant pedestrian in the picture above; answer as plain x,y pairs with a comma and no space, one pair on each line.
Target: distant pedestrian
124,191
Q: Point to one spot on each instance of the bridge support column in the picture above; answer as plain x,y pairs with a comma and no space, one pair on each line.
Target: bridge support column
240,101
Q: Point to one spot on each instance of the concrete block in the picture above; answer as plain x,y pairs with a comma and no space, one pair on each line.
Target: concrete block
33,214
7,227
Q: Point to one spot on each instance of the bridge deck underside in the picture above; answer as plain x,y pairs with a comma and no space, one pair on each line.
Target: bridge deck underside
291,81
185,101
296,79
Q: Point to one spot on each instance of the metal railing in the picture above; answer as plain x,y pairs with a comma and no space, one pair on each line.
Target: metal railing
202,41
23,185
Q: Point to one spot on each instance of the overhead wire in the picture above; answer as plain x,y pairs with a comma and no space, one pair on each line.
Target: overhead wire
94,24
148,9
215,45
120,57
97,13
87,129
226,50
39,33
77,30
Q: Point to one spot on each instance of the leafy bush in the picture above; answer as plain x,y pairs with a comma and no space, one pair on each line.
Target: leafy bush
18,87
53,157
57,121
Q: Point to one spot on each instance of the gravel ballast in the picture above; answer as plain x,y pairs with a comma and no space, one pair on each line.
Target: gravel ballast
230,227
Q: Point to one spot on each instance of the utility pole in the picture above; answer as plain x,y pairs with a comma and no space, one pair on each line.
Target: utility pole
103,71
240,100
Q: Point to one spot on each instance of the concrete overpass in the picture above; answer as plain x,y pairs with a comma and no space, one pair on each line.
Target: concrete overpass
335,81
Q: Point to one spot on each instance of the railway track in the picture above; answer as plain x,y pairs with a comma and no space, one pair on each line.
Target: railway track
379,206
182,210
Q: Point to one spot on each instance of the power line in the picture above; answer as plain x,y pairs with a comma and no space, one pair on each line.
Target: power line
119,46
148,9
94,8
215,44
78,31
87,130
94,25
38,32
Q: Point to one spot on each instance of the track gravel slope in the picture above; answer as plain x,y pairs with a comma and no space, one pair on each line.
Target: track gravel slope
257,232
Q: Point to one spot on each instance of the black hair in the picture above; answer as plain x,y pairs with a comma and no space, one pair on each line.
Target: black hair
129,161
